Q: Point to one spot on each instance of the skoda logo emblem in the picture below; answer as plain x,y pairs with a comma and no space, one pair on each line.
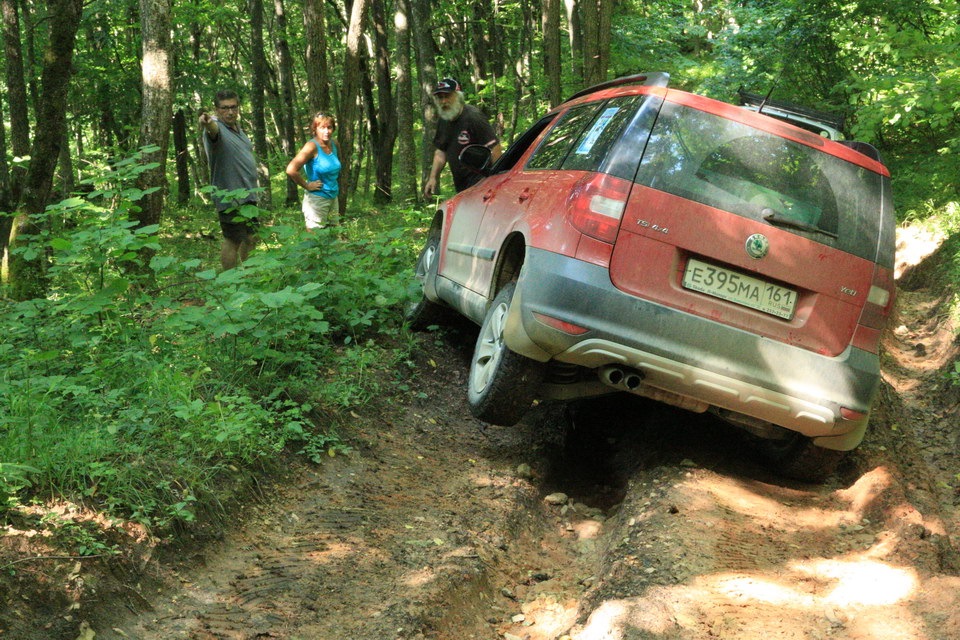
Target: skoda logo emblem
757,246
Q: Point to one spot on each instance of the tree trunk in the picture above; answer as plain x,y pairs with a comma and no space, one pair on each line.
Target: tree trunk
4,168
407,189
551,50
478,39
350,95
286,95
387,129
257,100
28,278
425,54
65,163
156,108
606,25
181,156
17,99
576,42
590,28
315,34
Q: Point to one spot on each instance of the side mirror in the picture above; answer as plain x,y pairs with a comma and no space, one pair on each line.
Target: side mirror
476,157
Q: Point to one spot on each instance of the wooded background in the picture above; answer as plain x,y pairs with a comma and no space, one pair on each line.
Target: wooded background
139,380
89,83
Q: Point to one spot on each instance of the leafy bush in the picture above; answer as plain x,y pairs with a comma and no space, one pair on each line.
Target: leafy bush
138,387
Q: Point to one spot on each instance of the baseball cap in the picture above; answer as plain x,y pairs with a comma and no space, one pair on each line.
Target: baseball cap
447,85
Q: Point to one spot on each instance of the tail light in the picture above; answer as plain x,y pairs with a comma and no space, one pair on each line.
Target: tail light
596,205
876,311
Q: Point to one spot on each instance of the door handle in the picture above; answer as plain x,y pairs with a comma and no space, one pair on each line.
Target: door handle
524,195
487,196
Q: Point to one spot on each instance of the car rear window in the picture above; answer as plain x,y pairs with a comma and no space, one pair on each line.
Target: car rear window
749,172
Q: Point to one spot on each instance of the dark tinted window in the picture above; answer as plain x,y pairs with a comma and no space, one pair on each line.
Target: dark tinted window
519,146
737,168
554,148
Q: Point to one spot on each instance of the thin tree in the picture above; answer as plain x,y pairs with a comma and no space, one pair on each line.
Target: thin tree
156,108
386,130
181,156
350,95
258,100
315,35
406,146
28,277
550,23
288,137
576,40
425,54
19,116
590,30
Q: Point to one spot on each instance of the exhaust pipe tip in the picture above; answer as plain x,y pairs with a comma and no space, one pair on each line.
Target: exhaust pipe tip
612,375
620,378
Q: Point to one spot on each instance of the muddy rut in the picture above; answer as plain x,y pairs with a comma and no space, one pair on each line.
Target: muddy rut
614,518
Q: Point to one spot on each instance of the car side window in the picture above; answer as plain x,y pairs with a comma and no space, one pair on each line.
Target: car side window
555,147
519,146
591,151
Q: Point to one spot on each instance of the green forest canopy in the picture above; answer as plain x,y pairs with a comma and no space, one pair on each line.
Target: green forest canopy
890,67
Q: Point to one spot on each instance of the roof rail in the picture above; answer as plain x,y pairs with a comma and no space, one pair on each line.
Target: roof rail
654,79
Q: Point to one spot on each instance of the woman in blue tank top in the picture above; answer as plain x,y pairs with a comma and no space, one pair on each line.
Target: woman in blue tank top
319,161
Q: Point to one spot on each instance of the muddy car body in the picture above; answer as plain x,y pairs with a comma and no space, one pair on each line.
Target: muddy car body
652,241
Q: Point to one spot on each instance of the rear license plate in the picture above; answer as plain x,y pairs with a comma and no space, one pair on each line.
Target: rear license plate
740,288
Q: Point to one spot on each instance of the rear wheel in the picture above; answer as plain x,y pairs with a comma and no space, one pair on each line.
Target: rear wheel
797,457
502,384
423,312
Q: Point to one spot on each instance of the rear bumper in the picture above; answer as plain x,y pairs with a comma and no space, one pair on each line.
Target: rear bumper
687,354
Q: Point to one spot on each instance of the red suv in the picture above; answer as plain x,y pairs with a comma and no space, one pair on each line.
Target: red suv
647,240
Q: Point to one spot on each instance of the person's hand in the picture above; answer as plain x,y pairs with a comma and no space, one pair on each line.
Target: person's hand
430,188
205,118
315,185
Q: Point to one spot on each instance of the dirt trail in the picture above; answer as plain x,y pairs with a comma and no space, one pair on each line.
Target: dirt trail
616,519
433,529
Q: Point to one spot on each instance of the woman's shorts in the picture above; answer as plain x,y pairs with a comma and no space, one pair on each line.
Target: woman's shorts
319,212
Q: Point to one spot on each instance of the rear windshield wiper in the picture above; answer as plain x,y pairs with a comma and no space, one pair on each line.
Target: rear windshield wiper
779,220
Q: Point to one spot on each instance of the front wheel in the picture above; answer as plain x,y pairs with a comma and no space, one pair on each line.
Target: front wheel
502,384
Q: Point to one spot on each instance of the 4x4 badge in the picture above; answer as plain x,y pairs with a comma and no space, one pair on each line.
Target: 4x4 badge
757,246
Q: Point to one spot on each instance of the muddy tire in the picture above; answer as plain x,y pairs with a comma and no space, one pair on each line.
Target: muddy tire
502,384
798,458
422,312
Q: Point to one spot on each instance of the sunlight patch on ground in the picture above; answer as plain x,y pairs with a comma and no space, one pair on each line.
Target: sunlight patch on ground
419,577
868,598
866,489
915,243
863,582
764,510
747,590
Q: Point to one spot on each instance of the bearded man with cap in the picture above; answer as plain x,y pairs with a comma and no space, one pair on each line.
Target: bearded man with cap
460,125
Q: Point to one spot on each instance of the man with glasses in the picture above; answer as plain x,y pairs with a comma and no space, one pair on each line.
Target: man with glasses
233,168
